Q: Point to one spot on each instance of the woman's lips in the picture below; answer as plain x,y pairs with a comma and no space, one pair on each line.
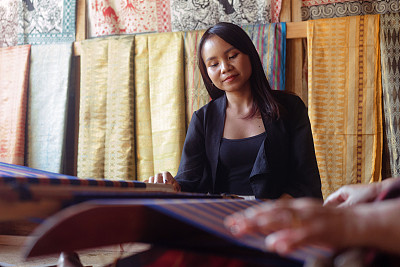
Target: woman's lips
230,78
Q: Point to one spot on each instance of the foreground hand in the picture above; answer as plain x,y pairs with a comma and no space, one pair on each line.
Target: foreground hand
350,195
290,224
164,178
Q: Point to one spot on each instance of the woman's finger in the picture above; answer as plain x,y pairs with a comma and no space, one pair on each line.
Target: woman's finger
158,178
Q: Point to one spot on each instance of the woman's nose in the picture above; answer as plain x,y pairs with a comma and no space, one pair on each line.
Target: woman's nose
225,66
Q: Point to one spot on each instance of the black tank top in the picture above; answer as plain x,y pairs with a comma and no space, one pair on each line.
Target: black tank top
236,160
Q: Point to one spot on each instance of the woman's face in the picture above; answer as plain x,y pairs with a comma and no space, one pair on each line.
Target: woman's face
228,68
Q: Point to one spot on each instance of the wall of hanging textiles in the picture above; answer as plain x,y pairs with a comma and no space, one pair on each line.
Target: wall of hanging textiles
133,115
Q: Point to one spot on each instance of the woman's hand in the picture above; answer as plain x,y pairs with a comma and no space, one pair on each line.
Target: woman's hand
164,178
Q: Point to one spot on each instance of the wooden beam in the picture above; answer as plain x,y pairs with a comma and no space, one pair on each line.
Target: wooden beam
80,25
295,30
286,11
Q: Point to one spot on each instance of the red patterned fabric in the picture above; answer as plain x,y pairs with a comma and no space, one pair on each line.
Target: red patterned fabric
14,70
275,10
111,17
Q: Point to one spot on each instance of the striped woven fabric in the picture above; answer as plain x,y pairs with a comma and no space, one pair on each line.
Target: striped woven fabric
270,42
10,173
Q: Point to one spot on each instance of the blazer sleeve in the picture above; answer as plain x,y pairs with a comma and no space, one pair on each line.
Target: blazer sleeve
191,167
304,178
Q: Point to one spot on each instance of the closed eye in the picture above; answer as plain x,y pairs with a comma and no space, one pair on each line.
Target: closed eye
233,56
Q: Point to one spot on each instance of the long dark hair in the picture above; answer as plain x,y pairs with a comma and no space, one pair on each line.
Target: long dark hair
263,99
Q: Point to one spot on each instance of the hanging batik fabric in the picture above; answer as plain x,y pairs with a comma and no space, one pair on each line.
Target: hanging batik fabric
106,113
198,15
159,103
46,21
47,106
344,99
390,58
270,42
8,22
14,70
318,9
111,17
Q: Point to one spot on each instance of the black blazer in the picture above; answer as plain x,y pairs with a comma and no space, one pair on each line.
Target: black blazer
285,163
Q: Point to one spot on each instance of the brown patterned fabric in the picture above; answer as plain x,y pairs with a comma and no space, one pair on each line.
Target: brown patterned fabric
390,60
318,9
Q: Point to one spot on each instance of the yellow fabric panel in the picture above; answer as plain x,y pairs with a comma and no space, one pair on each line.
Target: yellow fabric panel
144,141
345,99
167,100
106,142
119,147
195,90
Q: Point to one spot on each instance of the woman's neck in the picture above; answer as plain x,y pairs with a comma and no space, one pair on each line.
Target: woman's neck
239,103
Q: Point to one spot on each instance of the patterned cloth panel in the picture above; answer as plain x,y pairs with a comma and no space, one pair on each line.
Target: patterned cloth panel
344,99
48,106
199,15
46,21
14,69
8,23
106,141
318,9
270,42
390,60
125,17
10,173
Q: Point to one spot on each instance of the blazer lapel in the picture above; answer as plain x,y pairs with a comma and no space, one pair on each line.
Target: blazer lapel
214,132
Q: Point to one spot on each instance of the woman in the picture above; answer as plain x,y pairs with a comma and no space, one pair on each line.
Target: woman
249,140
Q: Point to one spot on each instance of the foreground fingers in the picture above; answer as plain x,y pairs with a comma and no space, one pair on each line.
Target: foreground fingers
165,178
272,216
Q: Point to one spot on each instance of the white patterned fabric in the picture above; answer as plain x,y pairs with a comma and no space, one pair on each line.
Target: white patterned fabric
8,22
47,106
201,14
46,21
